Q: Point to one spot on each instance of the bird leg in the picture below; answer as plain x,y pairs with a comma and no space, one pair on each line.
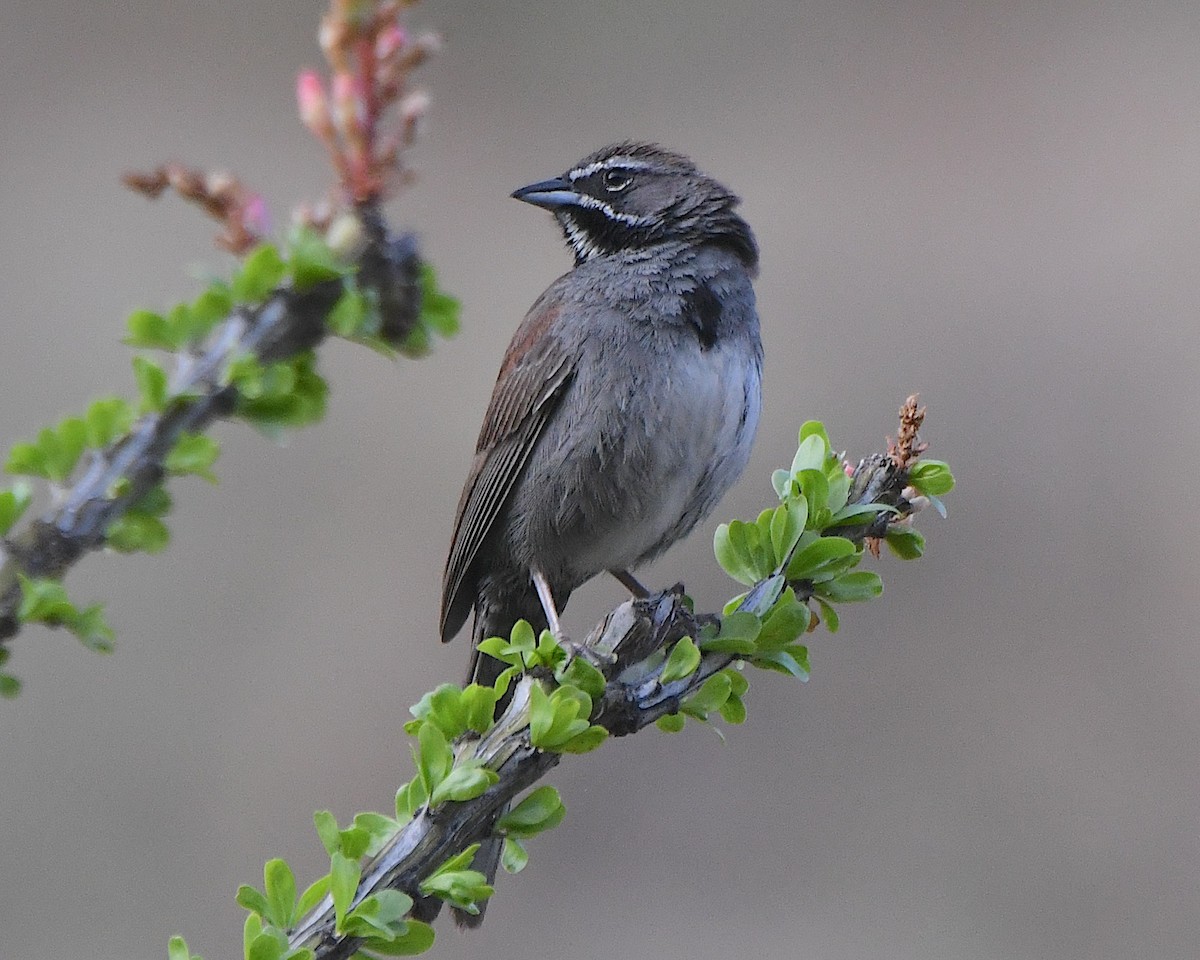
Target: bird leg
631,583
542,585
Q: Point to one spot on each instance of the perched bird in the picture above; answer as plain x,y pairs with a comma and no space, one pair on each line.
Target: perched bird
627,400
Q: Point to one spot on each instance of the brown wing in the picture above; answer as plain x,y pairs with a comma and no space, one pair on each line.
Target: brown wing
533,377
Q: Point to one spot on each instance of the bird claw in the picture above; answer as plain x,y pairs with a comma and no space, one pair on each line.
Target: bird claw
589,655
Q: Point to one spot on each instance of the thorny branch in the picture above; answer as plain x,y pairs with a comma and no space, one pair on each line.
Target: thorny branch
366,114
626,643
285,324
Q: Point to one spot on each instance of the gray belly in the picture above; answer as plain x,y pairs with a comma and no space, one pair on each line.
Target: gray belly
628,468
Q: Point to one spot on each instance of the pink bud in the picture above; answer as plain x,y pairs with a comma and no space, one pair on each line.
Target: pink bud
313,104
255,217
391,38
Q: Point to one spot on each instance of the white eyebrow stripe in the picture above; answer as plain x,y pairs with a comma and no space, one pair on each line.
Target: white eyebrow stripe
628,163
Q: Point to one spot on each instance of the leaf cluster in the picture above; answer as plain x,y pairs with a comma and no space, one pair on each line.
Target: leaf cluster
201,340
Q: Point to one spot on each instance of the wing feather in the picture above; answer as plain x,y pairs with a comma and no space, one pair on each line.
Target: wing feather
533,377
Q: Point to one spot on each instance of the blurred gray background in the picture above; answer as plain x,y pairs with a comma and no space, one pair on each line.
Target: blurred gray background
995,204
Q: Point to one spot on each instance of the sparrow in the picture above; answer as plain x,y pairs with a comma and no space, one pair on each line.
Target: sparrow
626,403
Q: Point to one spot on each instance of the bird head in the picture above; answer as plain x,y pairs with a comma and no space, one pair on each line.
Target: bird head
634,196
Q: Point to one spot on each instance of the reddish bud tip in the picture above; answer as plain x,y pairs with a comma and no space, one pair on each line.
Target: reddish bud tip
313,104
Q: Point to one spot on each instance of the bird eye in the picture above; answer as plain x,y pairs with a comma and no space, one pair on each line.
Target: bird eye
616,180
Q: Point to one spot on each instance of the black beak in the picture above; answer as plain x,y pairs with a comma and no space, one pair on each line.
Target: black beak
548,193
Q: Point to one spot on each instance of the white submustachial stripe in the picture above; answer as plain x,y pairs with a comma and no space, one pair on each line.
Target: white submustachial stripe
584,200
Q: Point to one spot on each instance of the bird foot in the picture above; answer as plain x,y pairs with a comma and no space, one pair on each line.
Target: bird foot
589,655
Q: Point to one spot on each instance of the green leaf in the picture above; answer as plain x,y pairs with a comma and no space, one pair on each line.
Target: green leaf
211,307
301,403
743,551
152,384
72,438
558,719
271,944
479,707
155,502
150,331
106,419
811,453
823,558
177,949
513,855
27,459
137,531
463,888
312,896
380,916
815,487
784,484
193,453
671,722
464,782
791,660
851,587
585,741
311,260
787,525
10,686
839,484
434,758
579,673
784,624
500,649
712,694
44,601
733,710
379,829
280,885
931,477
859,513
92,630
327,830
541,714
245,373
439,310
682,662
906,544
250,931
828,615
344,875
738,684
417,938
737,635
261,272
410,798
13,503
349,314
540,810
815,428
253,900
353,842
